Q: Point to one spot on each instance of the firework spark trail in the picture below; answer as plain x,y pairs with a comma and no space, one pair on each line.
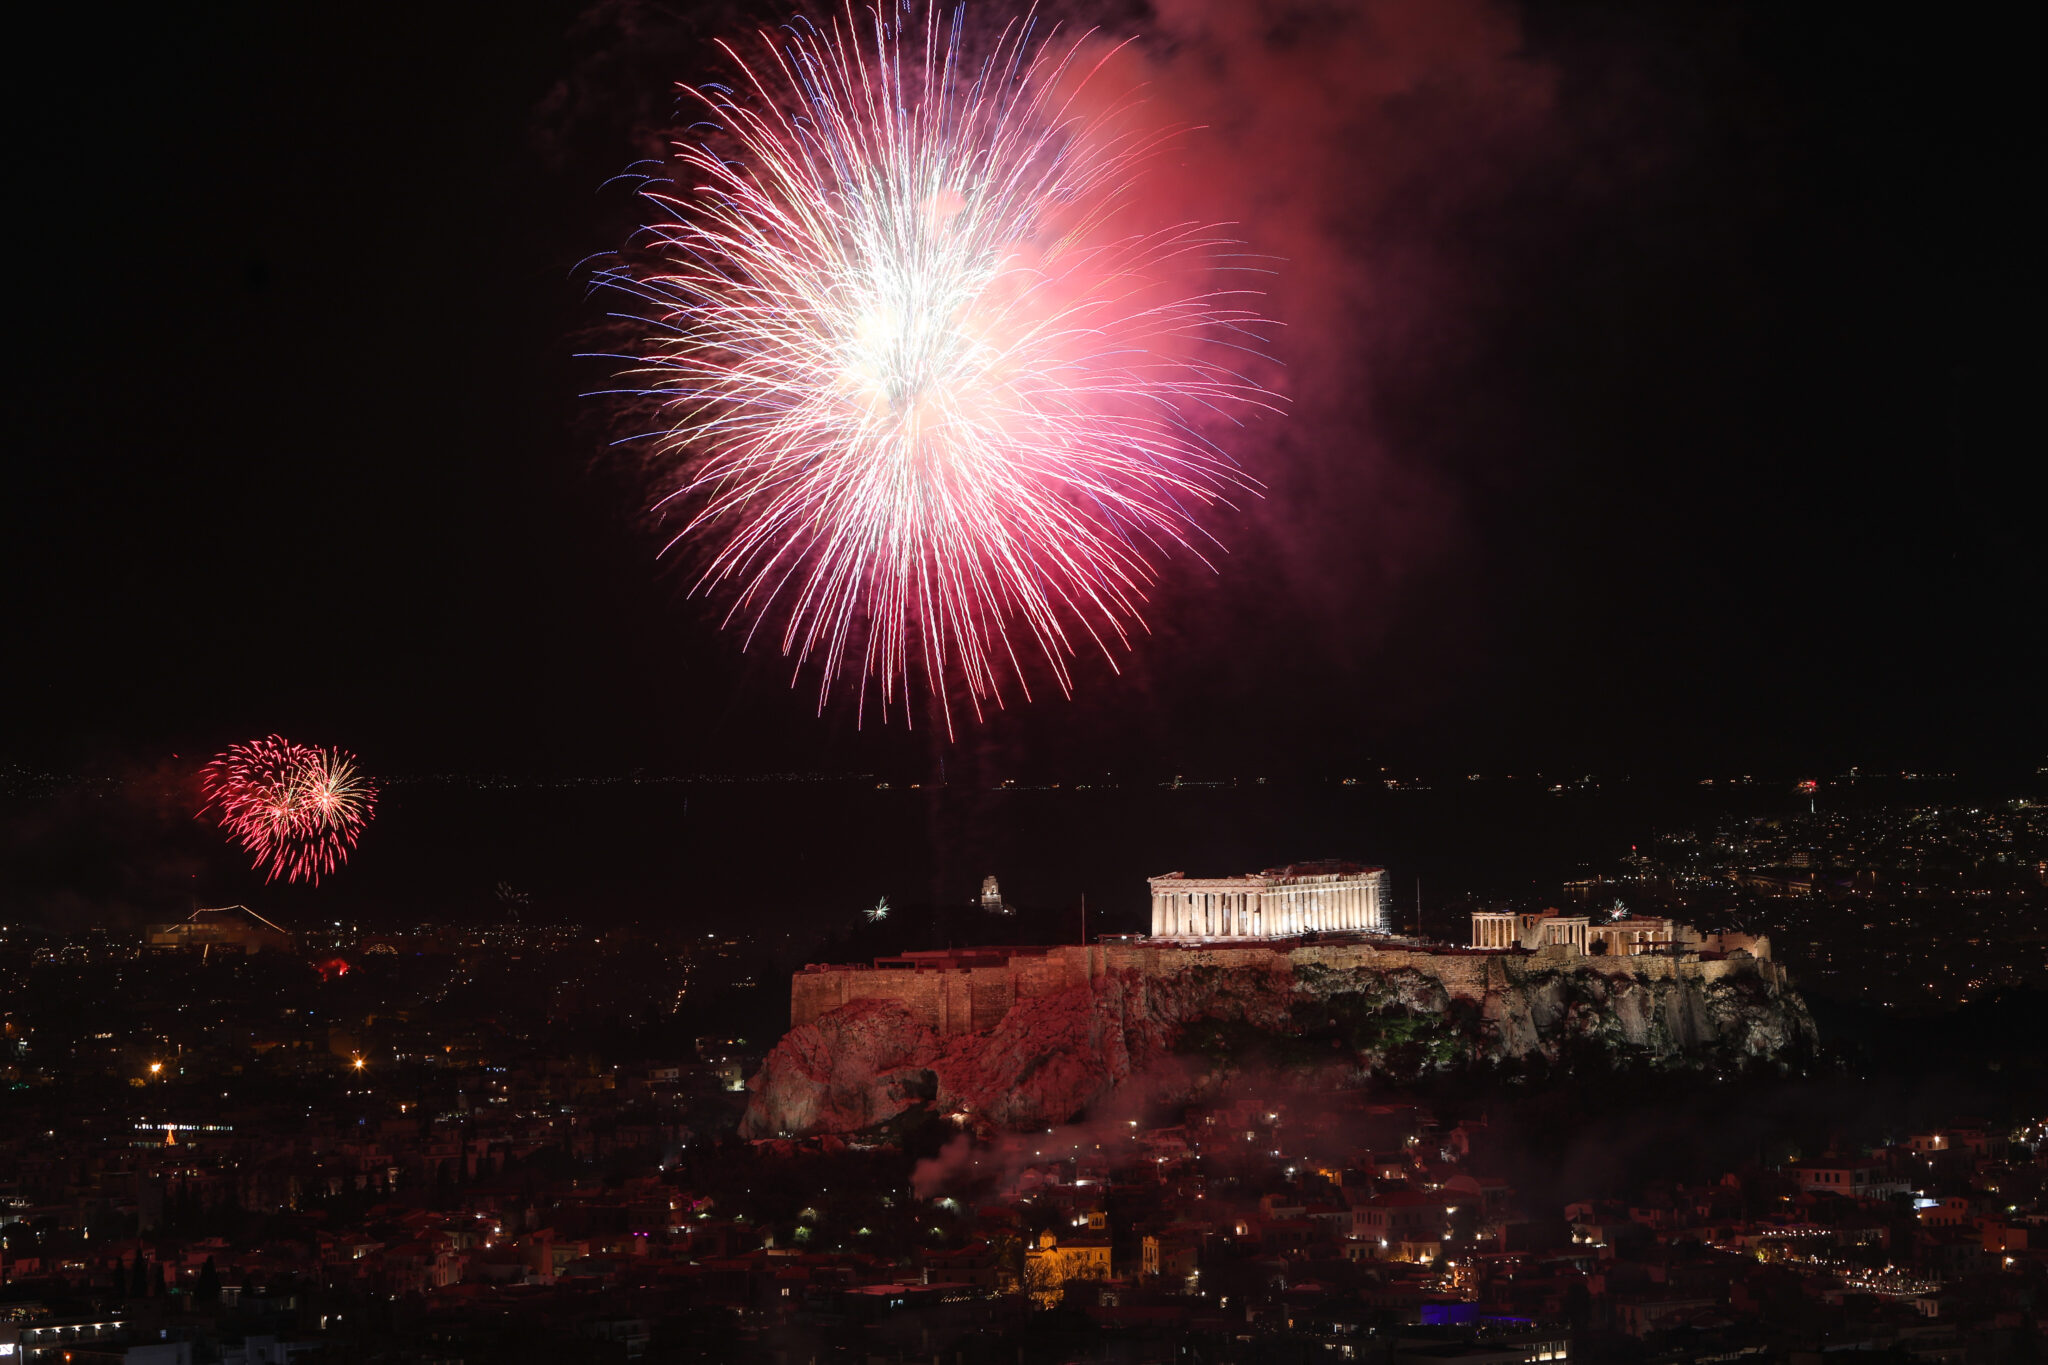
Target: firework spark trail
927,397
296,810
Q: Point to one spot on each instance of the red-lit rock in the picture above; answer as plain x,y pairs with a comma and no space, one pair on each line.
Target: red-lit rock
1052,1056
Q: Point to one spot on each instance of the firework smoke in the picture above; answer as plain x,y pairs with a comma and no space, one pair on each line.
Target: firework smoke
936,406
296,810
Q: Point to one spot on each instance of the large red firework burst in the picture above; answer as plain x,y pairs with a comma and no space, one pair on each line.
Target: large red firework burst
938,389
297,810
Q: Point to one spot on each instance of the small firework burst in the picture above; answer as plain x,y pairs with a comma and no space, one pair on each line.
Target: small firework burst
295,809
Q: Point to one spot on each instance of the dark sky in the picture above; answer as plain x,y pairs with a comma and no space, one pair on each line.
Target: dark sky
1698,434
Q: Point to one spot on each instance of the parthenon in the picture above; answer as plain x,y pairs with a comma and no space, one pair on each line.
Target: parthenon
1280,902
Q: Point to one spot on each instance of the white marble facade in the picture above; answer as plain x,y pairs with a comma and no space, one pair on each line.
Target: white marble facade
1281,902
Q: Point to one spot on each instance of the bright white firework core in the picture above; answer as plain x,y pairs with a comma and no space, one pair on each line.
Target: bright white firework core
929,389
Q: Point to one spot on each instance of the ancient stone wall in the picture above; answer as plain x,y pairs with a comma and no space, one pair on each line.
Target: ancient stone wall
991,996
955,1000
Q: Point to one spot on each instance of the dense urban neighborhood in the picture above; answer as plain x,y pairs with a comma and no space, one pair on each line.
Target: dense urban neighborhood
225,1140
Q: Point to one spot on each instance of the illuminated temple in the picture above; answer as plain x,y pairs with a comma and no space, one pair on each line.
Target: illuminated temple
1281,902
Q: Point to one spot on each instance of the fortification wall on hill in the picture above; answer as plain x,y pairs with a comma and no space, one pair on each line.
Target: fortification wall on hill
962,994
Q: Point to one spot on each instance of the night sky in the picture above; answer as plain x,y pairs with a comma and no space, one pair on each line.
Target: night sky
1680,420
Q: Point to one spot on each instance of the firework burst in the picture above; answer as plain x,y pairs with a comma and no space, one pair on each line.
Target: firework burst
296,810
935,403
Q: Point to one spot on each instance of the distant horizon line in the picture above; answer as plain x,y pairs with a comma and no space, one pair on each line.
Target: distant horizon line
20,780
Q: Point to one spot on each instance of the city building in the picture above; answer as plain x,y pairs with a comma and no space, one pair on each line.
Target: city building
1853,1179
1052,1263
233,928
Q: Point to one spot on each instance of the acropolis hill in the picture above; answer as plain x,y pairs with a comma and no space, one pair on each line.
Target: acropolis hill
1017,1037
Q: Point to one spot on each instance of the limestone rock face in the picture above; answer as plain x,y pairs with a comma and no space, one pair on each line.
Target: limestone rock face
851,1069
1053,1056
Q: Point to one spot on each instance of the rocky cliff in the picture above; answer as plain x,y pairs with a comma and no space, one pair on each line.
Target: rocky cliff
1180,1027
